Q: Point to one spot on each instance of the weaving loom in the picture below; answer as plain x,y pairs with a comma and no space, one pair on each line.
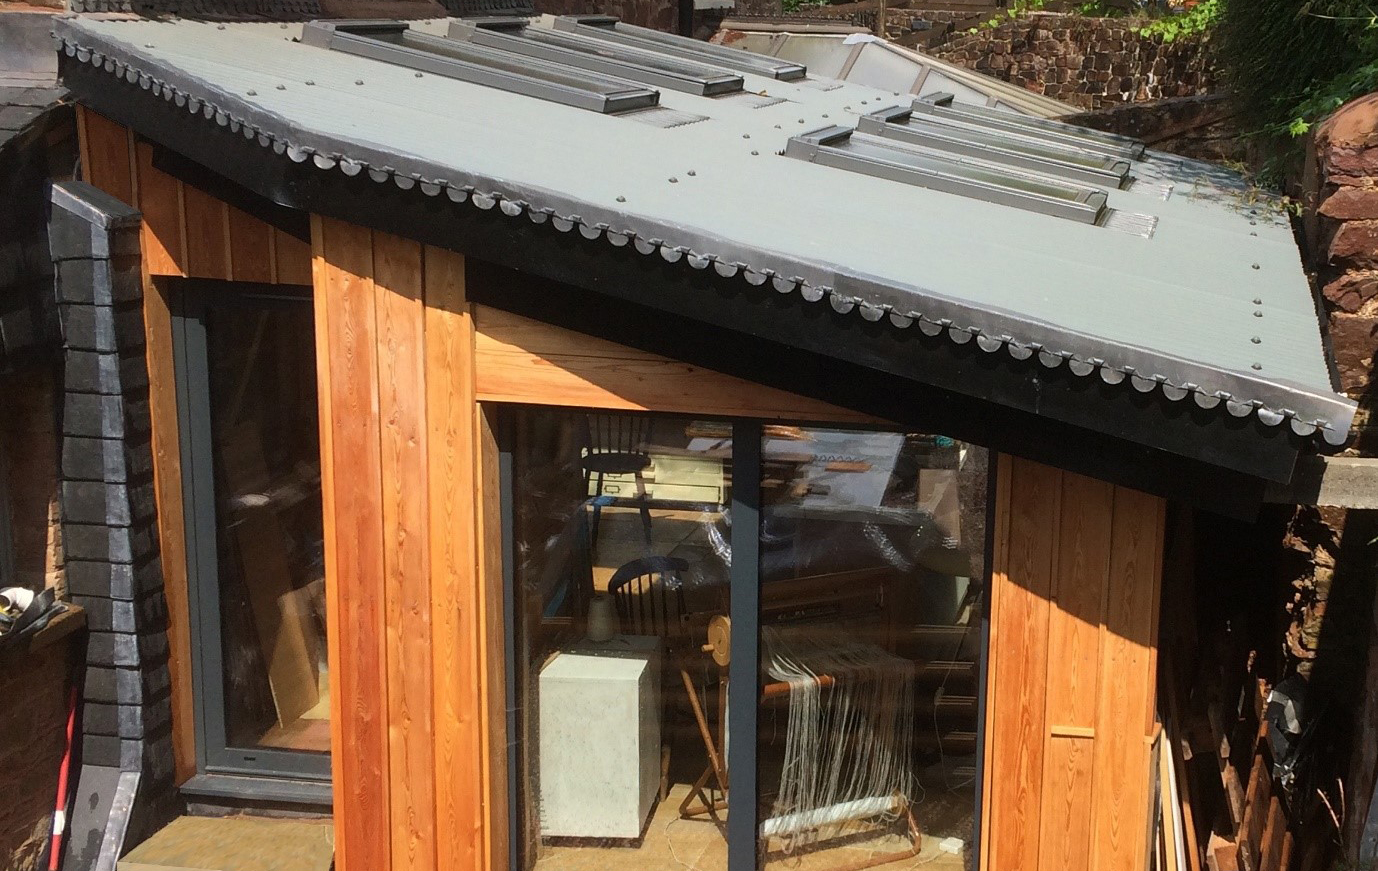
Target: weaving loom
848,755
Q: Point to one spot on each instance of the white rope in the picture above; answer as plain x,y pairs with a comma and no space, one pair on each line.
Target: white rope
849,745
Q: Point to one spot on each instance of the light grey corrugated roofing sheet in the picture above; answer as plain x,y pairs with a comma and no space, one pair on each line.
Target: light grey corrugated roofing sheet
1214,305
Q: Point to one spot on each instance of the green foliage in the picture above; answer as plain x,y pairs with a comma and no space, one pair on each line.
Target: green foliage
1016,9
798,5
1197,21
1291,63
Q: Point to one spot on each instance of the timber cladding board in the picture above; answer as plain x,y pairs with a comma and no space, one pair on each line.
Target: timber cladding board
188,233
212,240
400,436
1070,713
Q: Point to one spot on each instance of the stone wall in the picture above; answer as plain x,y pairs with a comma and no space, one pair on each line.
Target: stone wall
35,685
1341,227
28,460
1088,62
1205,127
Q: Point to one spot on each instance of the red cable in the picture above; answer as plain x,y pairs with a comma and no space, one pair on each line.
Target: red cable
60,814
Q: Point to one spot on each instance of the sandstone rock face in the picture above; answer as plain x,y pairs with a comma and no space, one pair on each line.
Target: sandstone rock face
1088,62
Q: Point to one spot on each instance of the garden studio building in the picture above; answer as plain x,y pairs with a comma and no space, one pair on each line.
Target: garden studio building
582,447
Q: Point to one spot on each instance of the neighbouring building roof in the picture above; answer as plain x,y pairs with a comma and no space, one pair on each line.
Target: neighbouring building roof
1158,279
853,54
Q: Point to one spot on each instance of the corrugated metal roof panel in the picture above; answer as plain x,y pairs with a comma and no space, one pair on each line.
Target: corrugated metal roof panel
1214,305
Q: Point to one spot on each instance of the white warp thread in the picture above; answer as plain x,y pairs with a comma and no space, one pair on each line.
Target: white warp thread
848,746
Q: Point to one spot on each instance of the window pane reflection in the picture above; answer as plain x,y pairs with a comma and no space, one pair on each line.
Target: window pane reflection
266,457
872,549
622,561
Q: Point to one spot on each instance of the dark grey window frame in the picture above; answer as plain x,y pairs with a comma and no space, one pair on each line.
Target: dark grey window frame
190,300
743,693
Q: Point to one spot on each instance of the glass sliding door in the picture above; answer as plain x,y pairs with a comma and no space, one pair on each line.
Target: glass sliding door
251,474
622,561
872,560
742,646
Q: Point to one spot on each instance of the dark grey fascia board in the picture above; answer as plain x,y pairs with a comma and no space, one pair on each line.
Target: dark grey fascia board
940,172
609,29
693,78
443,57
1113,172
172,116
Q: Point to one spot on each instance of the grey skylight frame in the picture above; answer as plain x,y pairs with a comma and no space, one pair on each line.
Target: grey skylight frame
1078,164
394,42
943,106
945,172
608,29
581,52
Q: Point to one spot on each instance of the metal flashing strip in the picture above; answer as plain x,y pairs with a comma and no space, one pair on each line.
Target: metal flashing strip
1078,164
943,106
394,42
649,68
884,158
1309,411
609,30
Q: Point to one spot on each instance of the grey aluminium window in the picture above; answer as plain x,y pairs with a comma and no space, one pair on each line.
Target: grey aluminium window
251,497
760,539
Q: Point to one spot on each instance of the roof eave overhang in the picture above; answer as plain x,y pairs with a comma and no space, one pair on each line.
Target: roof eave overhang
946,352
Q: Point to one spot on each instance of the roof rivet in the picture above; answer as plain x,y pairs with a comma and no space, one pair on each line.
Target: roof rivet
746,135
1256,340
148,45
358,81
282,87
1255,266
1258,301
691,172
754,153
1253,223
825,115
777,126
418,75
621,199
310,82
673,180
251,93
1253,232
219,27
1258,366
1258,314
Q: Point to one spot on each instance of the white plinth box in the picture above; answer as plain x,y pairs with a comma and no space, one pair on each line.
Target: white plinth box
600,739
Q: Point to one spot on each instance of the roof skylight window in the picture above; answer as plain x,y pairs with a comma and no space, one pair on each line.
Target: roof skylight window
840,147
1077,164
598,56
610,30
941,107
393,42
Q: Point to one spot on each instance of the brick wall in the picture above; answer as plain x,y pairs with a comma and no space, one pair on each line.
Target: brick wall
1088,62
28,445
35,686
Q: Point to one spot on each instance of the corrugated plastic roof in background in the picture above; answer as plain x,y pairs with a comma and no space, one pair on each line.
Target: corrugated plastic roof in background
863,59
1213,304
